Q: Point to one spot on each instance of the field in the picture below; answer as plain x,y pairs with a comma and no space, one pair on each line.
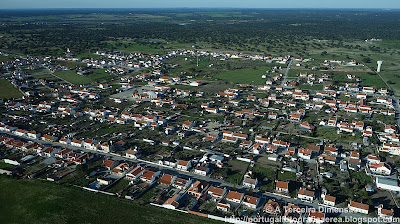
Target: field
4,58
45,202
245,76
128,46
5,165
7,90
74,78
89,55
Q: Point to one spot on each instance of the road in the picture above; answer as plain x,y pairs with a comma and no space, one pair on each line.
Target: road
286,72
395,104
396,108
191,175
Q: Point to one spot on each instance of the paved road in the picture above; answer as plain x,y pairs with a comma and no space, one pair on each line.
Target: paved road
286,72
186,175
396,108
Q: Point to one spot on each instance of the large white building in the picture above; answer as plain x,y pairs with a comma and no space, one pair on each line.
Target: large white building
387,184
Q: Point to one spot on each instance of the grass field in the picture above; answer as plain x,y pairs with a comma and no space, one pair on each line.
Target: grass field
5,165
7,90
128,47
313,87
89,55
245,76
44,202
73,77
4,58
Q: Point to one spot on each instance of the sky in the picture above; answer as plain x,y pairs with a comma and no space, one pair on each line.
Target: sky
30,4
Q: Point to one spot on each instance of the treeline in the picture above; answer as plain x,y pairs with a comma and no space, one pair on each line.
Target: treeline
240,28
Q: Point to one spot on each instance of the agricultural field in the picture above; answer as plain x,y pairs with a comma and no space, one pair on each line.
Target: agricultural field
7,90
4,58
129,46
245,76
42,202
74,78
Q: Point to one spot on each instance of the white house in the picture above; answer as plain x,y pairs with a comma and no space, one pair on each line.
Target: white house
305,195
358,207
33,134
328,200
250,201
385,214
316,217
234,196
249,182
282,186
380,168
132,154
183,165
135,173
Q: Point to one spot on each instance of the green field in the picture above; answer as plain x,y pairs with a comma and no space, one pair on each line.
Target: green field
74,78
313,87
44,202
4,58
245,76
134,47
89,55
5,165
7,90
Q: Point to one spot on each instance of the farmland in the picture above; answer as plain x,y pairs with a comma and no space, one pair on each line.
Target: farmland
42,202
7,90
73,77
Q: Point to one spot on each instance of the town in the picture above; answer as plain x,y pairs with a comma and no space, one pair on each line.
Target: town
295,133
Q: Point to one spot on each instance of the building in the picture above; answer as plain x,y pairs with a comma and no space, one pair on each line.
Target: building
305,195
167,179
109,164
150,176
173,202
385,214
380,168
292,214
183,165
316,217
181,183
358,207
249,182
198,188
201,170
132,154
216,192
282,186
234,196
388,184
135,173
250,201
272,207
120,169
223,207
328,200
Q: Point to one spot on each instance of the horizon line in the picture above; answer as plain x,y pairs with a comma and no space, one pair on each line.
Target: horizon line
171,8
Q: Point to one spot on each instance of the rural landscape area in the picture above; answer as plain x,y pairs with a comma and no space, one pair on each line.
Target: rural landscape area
199,115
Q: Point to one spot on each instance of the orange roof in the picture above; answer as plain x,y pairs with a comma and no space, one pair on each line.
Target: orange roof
282,184
306,192
317,215
166,179
216,190
359,205
108,163
330,198
183,163
234,195
250,199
